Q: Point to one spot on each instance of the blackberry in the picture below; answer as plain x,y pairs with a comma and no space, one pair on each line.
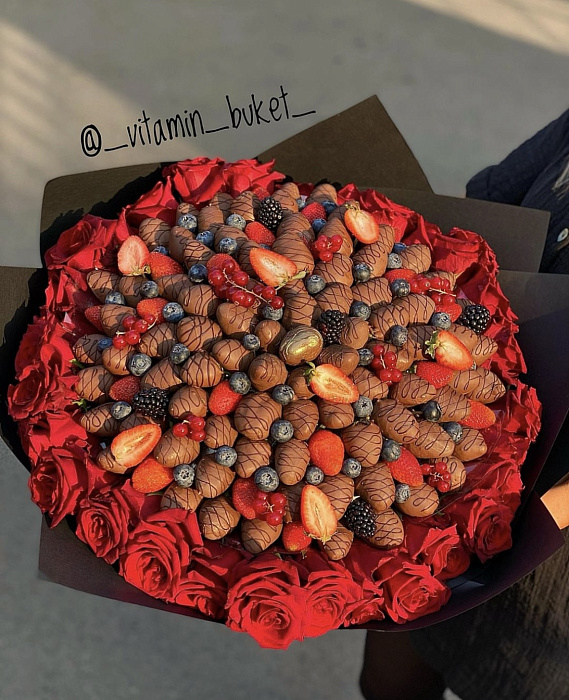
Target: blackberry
331,324
476,317
151,402
270,213
360,518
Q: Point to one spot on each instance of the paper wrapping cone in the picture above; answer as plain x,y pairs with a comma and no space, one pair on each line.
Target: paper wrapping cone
303,414
251,454
159,340
363,442
291,460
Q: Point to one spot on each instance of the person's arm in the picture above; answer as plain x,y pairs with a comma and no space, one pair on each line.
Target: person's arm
509,181
556,501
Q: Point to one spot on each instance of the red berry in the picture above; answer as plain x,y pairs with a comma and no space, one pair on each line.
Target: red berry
390,359
141,325
119,342
437,283
149,318
273,519
443,486
326,255
229,266
445,285
378,350
269,293
198,435
424,284
180,430
385,375
258,289
277,303
277,499
231,292
427,468
128,322
239,297
396,375
216,277
337,241
196,423
132,337
280,512
437,298
321,243
260,504
377,363
241,278
248,300
415,286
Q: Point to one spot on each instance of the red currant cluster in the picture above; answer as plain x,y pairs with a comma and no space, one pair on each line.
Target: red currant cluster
230,282
438,476
383,364
439,289
324,247
193,427
133,329
270,507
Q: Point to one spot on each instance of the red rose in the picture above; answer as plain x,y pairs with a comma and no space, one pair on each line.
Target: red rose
504,477
29,349
196,180
158,552
265,600
159,203
411,591
105,518
484,522
249,174
362,561
433,546
82,246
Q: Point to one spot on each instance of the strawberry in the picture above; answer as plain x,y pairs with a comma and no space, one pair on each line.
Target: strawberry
151,476
218,260
317,514
406,469
93,315
400,274
361,224
326,451
152,306
448,306
261,192
255,231
243,494
449,351
273,269
131,446
161,265
480,416
295,538
435,374
133,257
314,211
331,384
223,399
125,389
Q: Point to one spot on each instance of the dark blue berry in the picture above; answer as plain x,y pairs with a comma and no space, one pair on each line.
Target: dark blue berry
351,467
400,288
139,363
271,314
184,475
266,479
441,320
227,245
104,343
360,309
206,237
314,475
149,289
318,224
432,411
402,493
114,298
361,272
283,394
454,430
225,455
237,221
398,336
394,262
390,450
399,247
198,273
161,249
179,353
363,407
187,221
250,342
366,357
173,312
315,284
282,431
329,206
120,410
240,383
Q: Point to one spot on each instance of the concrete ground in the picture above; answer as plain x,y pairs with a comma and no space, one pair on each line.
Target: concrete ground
464,82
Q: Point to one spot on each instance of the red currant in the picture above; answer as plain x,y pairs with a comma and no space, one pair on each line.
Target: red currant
326,255
198,435
229,266
239,297
437,298
337,241
248,300
321,243
141,325
128,322
390,359
437,283
385,375
377,363
415,286
257,289
378,350
277,499
119,342
241,278
132,337
149,318
180,430
443,486
196,423
269,293
260,503
216,277
277,303
273,519
424,284
427,468
445,285
231,292
396,375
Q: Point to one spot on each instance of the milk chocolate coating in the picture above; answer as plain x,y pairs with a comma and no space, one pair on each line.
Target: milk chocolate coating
231,355
101,282
99,421
466,336
418,307
300,308
417,337
412,390
297,380
129,287
471,445
196,252
106,461
432,442
209,215
158,340
396,421
384,317
484,349
172,286
202,370
457,472
217,518
93,383
85,349
297,224
363,442
355,333
163,375
172,450
416,257
375,254
177,241
303,414
346,359
479,384
454,407
338,546
335,227
255,414
222,232
154,232
223,201
235,321
243,256
389,530
188,401
178,497
340,492
368,384
293,495
212,479
376,486
198,332
270,333
335,297
291,460
112,316
375,292
116,359
135,419
293,247
258,535
324,192
266,371
243,205
219,430
335,416
251,454
199,299
339,269
424,501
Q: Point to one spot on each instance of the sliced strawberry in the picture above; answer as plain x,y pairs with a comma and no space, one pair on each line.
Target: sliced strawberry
331,384
133,257
435,374
361,224
218,261
400,274
314,211
406,469
161,265
125,389
255,231
480,416
223,400
243,494
449,351
153,307
93,315
151,476
131,446
273,269
317,514
326,451
295,538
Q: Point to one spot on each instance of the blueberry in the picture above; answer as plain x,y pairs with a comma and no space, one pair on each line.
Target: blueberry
138,364
361,272
187,221
315,284
161,249
314,475
240,383
206,237
360,309
454,430
227,245
120,410
318,224
441,320
398,336
271,314
250,342
301,201
351,467
104,343
366,356
184,475
237,221
282,430
179,353
329,206
432,411
225,455
149,289
400,288
197,273
363,407
266,479
173,312
402,493
114,298
390,451
399,247
283,394
394,261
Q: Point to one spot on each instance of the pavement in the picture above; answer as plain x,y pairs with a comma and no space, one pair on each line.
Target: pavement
464,86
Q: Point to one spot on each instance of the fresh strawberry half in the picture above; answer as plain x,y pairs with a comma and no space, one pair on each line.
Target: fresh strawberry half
406,469
400,274
218,261
151,476
125,389
326,451
131,446
450,308
314,211
273,269
480,416
255,231
317,514
361,224
152,307
93,315
161,265
223,400
295,538
331,384
133,257
449,351
243,494
435,374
